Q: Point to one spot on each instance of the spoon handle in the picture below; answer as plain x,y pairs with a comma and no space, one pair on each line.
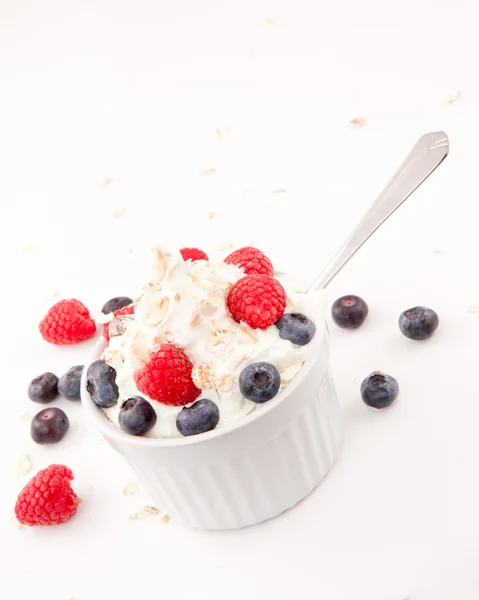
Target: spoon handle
426,155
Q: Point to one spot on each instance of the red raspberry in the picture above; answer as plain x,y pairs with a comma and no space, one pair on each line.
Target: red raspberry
126,310
166,377
48,498
193,254
251,260
67,322
258,300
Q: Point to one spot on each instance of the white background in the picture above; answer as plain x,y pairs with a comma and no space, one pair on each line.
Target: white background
109,120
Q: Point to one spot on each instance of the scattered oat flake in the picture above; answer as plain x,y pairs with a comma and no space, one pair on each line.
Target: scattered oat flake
144,513
23,465
223,247
250,332
279,191
195,319
453,97
25,416
79,500
437,251
358,122
270,22
165,518
207,172
201,375
212,215
221,132
177,296
131,488
52,295
106,181
119,212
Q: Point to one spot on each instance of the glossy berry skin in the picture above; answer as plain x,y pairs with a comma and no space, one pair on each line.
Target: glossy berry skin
69,383
418,323
379,390
296,328
101,384
251,260
136,416
349,312
200,417
43,389
67,322
48,498
259,382
166,377
116,304
257,300
49,426
193,254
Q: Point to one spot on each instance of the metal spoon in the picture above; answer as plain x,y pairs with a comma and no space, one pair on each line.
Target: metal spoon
424,158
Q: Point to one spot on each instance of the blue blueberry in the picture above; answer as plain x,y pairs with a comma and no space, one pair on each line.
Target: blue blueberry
43,389
296,328
201,416
101,383
379,390
349,312
259,382
115,304
418,323
49,426
69,384
136,416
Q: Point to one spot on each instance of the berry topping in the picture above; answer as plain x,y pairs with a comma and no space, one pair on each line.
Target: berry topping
379,390
101,384
136,416
49,426
296,328
251,260
116,304
259,382
202,416
193,254
43,389
126,310
349,312
418,323
48,498
166,377
69,384
67,322
258,300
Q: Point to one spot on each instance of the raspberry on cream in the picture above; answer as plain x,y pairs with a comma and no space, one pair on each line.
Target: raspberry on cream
185,305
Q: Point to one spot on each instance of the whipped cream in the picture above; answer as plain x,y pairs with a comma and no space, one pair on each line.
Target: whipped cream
185,304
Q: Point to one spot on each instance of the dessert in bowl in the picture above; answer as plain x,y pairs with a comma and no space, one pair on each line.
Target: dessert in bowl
215,387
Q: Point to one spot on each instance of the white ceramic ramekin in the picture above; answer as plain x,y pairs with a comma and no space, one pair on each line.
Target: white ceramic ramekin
246,472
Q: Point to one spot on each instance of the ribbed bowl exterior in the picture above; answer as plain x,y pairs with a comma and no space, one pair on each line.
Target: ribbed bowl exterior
250,473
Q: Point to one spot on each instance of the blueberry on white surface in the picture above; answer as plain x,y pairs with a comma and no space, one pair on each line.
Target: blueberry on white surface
296,328
418,323
349,312
137,416
49,426
200,417
379,390
69,383
259,382
43,389
101,384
